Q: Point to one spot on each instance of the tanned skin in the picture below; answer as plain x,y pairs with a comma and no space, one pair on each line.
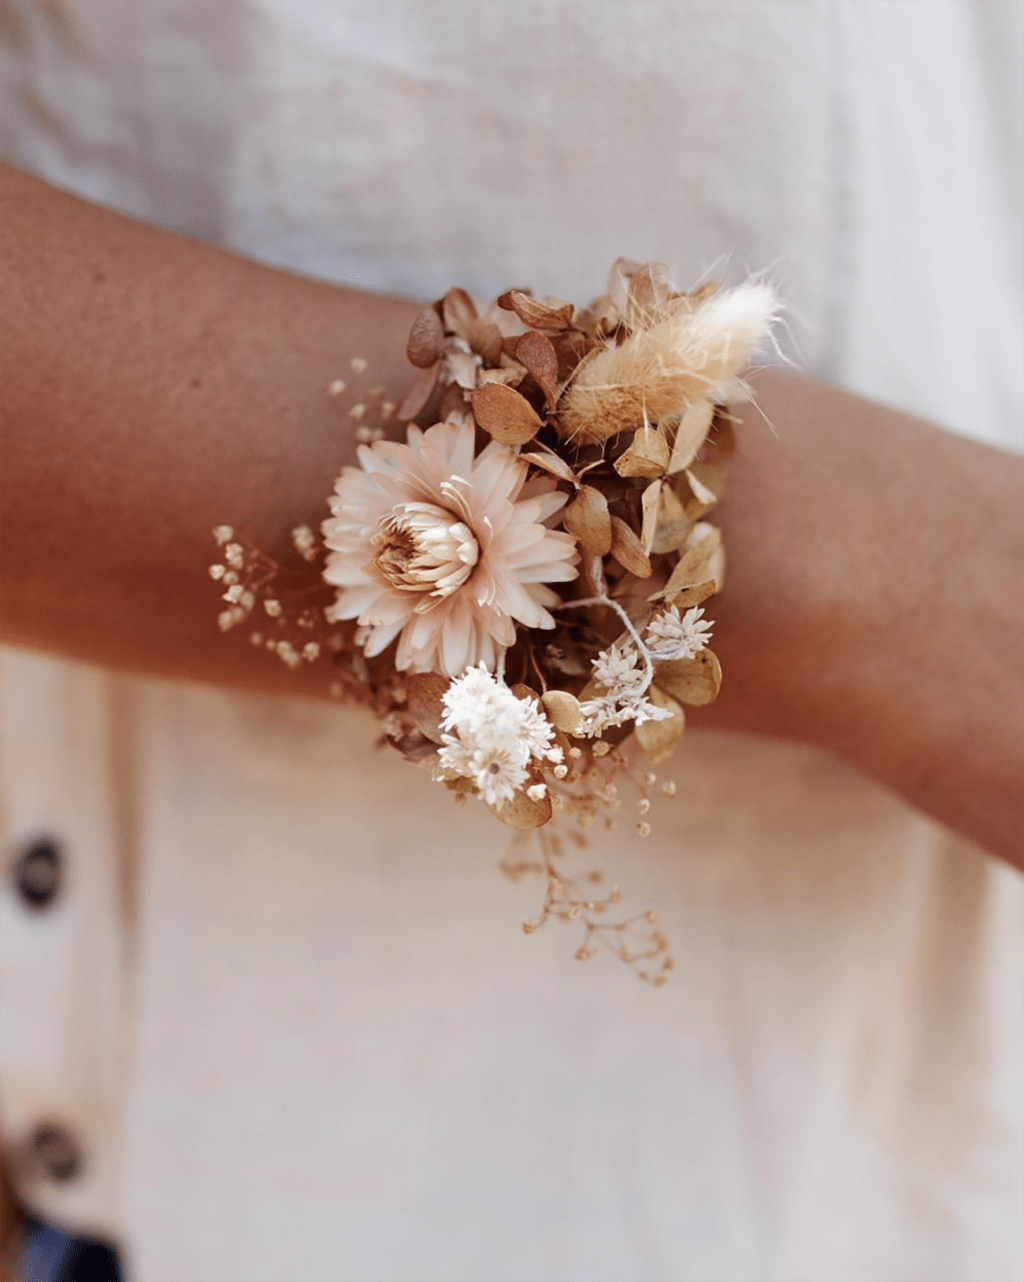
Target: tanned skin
154,386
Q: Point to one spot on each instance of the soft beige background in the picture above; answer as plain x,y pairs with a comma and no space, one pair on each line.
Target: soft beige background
285,1004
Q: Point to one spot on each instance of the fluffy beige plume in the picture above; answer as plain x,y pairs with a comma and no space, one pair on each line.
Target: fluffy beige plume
686,355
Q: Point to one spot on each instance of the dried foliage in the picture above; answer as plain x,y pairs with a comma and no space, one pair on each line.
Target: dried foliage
520,586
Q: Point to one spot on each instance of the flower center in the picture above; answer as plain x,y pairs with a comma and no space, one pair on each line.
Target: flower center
420,547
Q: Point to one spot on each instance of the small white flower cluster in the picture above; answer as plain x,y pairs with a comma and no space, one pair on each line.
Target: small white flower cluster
626,685
239,598
491,737
616,669
625,670
304,542
671,636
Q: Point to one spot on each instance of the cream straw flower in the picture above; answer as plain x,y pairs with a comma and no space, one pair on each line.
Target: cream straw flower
443,550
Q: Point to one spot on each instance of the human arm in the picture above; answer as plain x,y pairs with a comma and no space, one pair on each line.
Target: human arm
874,603
155,386
152,387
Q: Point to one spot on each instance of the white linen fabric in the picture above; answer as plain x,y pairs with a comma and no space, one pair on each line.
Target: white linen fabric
284,1003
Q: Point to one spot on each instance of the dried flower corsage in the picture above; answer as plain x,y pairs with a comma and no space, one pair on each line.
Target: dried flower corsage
519,586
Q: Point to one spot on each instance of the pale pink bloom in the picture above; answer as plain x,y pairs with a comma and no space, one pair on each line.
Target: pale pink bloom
443,550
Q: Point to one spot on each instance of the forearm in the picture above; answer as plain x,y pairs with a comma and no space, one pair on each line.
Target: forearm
873,603
154,386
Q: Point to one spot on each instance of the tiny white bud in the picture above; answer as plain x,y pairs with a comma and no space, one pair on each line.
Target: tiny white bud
358,364
223,534
337,387
287,652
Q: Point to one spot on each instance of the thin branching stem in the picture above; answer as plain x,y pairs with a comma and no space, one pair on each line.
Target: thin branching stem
605,600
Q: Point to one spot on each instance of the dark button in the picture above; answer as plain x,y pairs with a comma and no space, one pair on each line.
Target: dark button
38,872
56,1152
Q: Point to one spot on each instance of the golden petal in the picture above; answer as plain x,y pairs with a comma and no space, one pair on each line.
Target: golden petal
690,434
705,496
484,337
510,375
649,508
647,295
426,339
563,710
536,352
419,394
534,313
695,681
504,414
701,559
425,691
659,739
522,811
673,522
711,476
462,367
688,596
550,462
458,311
588,519
647,455
628,551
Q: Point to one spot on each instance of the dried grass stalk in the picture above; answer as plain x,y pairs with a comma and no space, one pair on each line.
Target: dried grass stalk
684,356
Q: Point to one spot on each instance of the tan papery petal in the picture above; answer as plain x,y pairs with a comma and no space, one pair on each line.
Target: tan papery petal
508,417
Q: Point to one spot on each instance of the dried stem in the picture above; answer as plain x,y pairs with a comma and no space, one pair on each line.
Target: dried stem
603,599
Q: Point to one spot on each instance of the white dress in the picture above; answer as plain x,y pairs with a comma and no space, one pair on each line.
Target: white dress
283,1004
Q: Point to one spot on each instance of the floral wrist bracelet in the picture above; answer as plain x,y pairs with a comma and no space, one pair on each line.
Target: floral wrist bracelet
519,588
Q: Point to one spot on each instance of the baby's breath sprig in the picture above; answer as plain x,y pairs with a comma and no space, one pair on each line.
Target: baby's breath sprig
256,588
